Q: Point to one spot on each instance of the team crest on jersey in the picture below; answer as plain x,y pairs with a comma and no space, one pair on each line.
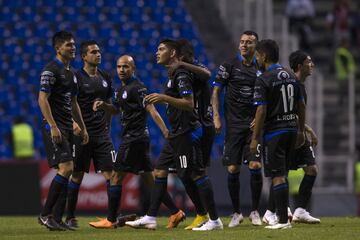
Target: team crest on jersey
169,84
124,95
282,75
104,83
75,79
258,73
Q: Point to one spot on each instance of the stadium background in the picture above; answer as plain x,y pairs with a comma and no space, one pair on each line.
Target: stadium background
135,28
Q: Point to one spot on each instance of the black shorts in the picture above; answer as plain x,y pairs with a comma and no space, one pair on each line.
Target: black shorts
207,141
99,149
304,156
183,153
237,147
134,157
57,153
278,152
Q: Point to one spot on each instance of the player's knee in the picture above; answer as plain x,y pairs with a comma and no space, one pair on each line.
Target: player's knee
311,170
66,168
254,165
117,178
107,175
233,169
160,173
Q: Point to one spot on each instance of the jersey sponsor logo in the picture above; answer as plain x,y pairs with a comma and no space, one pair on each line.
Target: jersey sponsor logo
75,79
104,83
124,95
283,75
47,77
169,84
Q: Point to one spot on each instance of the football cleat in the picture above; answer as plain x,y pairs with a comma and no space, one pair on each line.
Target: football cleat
236,219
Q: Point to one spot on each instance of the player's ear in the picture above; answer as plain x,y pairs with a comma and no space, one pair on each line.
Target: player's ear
173,53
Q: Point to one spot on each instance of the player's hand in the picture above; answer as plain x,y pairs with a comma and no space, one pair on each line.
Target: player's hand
55,134
254,146
313,138
172,67
85,137
97,105
217,124
154,98
300,140
76,129
252,125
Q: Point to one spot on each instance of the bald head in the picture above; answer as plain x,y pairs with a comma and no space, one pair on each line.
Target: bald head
125,67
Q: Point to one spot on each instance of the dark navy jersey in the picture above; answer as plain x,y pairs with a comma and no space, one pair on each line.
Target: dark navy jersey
129,99
179,86
238,80
279,90
202,99
94,88
61,84
303,91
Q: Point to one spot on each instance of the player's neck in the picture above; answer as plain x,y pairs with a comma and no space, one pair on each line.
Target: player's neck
247,60
90,70
64,61
300,77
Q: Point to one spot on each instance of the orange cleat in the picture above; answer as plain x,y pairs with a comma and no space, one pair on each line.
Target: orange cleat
175,219
103,223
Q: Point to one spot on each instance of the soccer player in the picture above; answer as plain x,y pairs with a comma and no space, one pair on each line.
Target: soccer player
302,64
280,115
238,77
133,155
58,104
202,96
183,145
94,84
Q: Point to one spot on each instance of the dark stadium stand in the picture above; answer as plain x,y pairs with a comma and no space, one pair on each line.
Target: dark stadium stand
133,27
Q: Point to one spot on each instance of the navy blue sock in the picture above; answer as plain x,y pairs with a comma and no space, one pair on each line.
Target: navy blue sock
72,198
256,184
271,203
281,195
234,190
114,201
157,195
207,196
56,187
193,193
305,190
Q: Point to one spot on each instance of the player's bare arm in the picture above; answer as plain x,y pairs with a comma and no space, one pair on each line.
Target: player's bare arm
106,106
259,123
185,103
46,111
215,99
150,108
311,133
76,112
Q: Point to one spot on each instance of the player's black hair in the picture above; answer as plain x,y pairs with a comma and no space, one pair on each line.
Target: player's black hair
296,58
186,50
270,48
171,44
84,46
251,33
61,37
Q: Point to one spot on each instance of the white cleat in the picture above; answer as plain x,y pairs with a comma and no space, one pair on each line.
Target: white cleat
303,216
210,225
279,226
270,218
143,222
255,218
236,219
290,216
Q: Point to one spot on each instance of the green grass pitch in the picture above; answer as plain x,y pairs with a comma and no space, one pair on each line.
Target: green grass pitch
347,228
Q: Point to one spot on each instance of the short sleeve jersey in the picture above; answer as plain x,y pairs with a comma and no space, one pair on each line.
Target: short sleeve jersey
62,85
129,99
179,86
94,88
238,80
202,98
279,90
